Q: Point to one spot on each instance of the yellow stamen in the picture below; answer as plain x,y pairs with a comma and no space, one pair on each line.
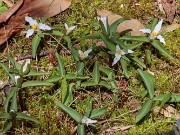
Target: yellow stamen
34,26
82,55
86,120
119,52
154,33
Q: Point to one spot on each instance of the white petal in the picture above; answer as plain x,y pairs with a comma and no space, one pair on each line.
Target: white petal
80,52
30,20
161,39
145,30
44,26
158,26
29,33
26,64
130,51
104,20
88,51
117,48
66,26
72,28
116,59
16,78
91,121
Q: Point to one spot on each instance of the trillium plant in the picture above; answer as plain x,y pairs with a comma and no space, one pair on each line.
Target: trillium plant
69,29
155,33
35,26
119,53
85,54
104,21
88,121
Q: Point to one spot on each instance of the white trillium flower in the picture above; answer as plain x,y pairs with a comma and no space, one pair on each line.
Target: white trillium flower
69,29
26,64
155,32
34,26
16,78
119,53
85,54
104,20
88,121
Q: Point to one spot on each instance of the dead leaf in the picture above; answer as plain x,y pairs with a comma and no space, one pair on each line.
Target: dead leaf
8,3
169,7
5,16
171,27
11,21
132,24
117,128
167,111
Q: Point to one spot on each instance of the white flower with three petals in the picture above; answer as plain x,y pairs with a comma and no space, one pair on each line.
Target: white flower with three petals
119,53
104,20
69,29
155,32
85,54
88,121
35,26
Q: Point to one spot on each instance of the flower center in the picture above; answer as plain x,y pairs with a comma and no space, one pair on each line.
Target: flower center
83,55
154,33
119,52
86,120
34,26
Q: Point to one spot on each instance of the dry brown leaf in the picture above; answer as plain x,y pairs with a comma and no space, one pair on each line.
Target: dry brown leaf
117,128
5,16
167,111
11,21
169,7
132,24
171,27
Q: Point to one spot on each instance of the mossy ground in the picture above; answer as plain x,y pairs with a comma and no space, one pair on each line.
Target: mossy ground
120,107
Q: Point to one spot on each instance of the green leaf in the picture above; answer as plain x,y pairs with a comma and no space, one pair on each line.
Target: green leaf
73,113
35,83
91,36
153,24
14,102
148,82
165,99
57,33
5,116
174,98
139,61
146,107
159,47
98,112
88,83
71,76
3,9
80,129
7,126
96,74
14,63
113,26
106,71
148,56
35,43
119,42
111,46
133,46
124,64
61,68
135,38
23,116
53,79
104,29
8,98
69,98
80,68
73,51
82,77
35,73
6,69
105,84
64,90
